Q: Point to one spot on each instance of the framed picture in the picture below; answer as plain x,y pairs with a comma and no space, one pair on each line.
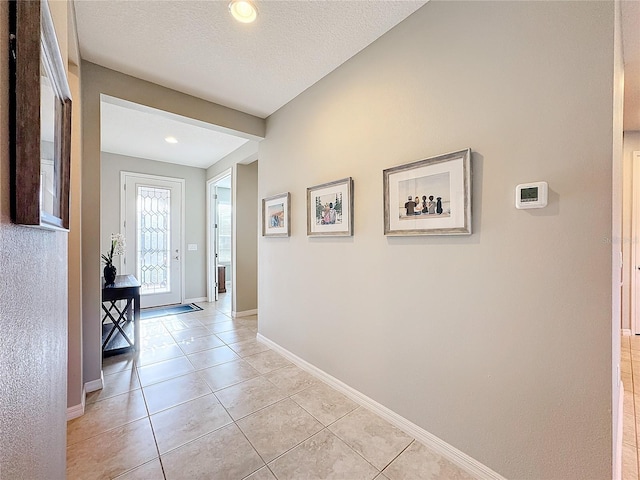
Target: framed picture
429,197
40,125
330,208
276,215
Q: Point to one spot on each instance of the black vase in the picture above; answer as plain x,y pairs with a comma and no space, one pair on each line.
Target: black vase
110,274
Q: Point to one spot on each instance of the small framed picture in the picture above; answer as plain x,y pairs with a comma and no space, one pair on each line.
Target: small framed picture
330,208
429,197
276,214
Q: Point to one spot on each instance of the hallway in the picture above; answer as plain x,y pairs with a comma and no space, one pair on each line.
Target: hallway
205,399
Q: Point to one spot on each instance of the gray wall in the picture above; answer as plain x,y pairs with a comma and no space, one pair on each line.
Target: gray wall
195,211
75,382
33,316
246,154
98,80
245,233
499,343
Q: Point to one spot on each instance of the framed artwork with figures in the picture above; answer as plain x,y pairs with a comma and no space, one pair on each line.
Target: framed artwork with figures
276,215
330,208
429,197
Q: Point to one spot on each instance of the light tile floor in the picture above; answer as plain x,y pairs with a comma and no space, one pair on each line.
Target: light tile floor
204,399
630,371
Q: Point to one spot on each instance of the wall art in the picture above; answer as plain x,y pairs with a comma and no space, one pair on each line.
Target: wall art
276,215
429,197
330,208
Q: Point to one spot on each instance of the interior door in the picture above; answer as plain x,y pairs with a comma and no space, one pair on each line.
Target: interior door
153,229
216,240
634,291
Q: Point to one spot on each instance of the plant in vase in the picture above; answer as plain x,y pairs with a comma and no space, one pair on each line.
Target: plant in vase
117,248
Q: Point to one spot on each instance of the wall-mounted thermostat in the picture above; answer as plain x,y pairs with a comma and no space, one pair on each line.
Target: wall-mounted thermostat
532,195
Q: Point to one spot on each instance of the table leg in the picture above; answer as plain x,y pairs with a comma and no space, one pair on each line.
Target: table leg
136,320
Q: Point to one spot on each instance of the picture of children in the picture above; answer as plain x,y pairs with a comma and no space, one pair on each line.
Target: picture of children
329,209
434,203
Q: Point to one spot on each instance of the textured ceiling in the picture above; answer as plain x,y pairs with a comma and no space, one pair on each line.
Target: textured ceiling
139,131
196,47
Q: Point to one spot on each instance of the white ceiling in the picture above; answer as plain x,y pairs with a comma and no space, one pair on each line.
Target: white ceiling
139,131
196,47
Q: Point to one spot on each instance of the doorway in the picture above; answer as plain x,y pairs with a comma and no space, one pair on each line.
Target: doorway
151,216
635,248
220,241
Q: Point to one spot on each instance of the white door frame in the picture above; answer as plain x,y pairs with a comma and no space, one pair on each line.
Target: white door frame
635,235
123,217
212,275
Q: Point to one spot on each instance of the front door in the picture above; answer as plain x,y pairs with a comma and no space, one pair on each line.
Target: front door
153,224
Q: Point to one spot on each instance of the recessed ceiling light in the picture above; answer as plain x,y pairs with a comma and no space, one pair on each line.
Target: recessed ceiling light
171,139
243,10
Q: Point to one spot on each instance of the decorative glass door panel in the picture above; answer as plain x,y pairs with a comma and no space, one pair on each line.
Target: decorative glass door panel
152,213
153,224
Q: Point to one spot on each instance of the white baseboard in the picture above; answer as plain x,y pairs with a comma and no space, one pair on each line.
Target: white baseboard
194,300
77,410
626,332
617,461
94,385
439,446
246,313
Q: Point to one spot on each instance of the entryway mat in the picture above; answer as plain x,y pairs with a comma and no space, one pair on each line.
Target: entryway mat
154,312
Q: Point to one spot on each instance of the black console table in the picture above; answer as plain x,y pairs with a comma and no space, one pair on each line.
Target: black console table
120,325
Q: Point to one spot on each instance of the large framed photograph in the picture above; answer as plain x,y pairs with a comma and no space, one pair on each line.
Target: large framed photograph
276,215
330,208
429,197
40,126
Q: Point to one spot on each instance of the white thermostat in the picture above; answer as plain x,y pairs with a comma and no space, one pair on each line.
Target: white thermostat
532,195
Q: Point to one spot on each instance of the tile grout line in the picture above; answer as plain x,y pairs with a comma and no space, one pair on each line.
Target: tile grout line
413,440
153,432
